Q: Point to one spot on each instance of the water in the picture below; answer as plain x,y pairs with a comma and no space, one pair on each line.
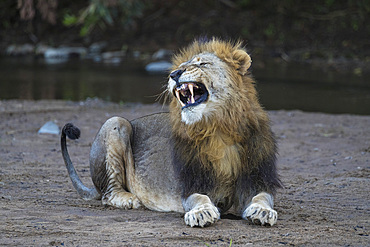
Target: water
297,86
78,80
281,86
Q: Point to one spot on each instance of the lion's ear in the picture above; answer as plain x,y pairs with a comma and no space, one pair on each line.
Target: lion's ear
242,60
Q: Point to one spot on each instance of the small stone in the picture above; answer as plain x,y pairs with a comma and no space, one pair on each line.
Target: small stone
49,128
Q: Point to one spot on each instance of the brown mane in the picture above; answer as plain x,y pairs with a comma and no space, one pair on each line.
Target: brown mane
223,142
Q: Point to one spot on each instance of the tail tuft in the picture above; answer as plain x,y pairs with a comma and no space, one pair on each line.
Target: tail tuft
72,131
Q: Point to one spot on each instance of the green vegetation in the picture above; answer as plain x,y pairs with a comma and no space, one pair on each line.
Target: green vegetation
323,28
101,13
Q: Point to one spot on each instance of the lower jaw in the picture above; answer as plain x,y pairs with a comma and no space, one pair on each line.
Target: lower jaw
191,105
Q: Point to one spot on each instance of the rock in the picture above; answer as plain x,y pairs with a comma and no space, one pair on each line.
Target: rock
49,128
114,57
113,60
65,52
97,47
20,50
158,67
54,55
162,54
60,55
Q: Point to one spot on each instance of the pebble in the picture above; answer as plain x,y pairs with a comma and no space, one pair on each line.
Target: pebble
49,128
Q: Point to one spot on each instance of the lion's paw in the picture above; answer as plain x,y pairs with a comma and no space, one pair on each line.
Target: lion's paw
123,200
259,214
203,215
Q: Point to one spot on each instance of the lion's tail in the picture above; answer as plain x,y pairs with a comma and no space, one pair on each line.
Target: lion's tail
74,133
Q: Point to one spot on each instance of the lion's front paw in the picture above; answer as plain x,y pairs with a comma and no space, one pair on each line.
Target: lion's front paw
259,214
202,215
123,200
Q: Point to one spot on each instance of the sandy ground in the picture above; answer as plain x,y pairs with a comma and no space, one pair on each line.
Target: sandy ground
324,163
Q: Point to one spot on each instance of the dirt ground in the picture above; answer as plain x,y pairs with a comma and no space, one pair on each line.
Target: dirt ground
324,163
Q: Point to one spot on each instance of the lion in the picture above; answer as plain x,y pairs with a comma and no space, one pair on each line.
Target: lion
213,153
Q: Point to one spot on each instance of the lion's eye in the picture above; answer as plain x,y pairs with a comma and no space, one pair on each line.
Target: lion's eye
202,64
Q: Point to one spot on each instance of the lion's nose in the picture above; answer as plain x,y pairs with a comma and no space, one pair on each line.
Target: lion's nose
175,75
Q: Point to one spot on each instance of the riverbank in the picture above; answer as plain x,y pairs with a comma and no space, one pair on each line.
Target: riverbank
329,35
324,164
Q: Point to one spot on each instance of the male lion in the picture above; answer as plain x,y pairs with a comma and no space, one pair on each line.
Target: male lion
213,153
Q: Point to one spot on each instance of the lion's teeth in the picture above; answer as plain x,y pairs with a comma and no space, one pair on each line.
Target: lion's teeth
191,89
178,98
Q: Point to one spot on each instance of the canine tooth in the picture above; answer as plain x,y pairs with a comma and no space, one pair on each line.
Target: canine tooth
191,89
178,98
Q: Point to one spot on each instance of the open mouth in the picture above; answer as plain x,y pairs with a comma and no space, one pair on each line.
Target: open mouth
191,94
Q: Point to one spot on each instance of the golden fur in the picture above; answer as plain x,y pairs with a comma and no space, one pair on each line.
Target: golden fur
219,139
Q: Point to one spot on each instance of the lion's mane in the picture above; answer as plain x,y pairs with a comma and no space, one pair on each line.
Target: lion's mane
231,153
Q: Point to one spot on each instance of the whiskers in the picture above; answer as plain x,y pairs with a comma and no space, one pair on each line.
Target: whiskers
164,96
